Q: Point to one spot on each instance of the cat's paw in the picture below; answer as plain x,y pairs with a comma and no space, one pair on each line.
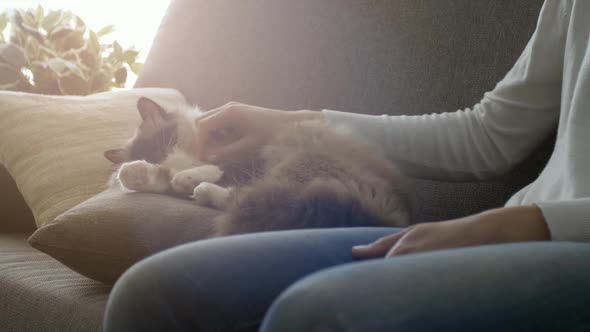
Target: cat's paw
140,175
209,194
186,181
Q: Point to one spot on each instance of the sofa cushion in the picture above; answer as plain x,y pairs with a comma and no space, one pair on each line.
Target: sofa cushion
106,234
39,294
53,145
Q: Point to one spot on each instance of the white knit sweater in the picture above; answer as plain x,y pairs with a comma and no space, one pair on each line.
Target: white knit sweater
548,86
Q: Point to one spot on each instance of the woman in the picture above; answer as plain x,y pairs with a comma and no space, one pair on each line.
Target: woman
521,267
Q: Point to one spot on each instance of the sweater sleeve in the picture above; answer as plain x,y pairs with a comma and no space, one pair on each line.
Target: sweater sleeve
568,220
497,133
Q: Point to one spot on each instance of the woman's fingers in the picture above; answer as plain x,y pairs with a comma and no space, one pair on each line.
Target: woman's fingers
247,126
208,114
242,145
379,248
207,124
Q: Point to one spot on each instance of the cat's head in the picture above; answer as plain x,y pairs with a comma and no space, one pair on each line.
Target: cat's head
157,135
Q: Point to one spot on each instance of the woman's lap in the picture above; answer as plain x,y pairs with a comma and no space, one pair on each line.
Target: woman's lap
511,287
228,284
225,284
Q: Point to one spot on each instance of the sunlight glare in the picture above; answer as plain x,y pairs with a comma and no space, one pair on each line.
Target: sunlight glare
136,22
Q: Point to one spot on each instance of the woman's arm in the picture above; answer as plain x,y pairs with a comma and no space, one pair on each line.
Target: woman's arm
251,125
568,220
493,136
503,225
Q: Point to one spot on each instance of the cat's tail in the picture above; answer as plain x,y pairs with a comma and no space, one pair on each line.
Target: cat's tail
321,203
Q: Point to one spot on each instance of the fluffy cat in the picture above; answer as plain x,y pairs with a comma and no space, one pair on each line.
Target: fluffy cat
309,175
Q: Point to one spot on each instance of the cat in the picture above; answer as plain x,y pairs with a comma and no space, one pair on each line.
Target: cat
310,175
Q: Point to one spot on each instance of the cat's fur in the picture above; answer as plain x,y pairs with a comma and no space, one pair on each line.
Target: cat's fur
309,175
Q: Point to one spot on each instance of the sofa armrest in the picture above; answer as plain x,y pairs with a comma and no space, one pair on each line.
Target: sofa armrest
15,215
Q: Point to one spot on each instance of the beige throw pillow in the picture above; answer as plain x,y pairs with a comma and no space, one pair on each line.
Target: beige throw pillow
53,146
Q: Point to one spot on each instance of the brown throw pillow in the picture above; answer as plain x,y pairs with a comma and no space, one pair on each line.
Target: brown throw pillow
103,236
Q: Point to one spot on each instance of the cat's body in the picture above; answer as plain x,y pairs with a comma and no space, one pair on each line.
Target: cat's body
309,175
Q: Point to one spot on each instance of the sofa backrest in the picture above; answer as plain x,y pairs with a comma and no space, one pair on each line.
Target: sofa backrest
369,56
365,56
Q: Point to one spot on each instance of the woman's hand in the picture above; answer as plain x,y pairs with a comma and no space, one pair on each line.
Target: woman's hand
250,126
514,224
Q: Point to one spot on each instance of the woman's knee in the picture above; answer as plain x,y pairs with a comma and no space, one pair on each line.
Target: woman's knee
139,293
139,284
319,302
455,290
162,287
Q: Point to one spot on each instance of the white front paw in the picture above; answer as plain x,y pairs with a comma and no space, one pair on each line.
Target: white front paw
209,194
186,181
140,175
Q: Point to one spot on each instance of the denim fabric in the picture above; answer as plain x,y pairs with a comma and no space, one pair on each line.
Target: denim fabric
228,284
515,287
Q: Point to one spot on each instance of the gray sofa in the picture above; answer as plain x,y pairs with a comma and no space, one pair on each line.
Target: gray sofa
378,56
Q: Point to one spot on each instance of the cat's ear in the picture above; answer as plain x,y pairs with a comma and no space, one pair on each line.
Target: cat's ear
150,110
116,156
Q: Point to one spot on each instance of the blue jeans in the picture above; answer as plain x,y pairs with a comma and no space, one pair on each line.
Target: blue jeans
307,280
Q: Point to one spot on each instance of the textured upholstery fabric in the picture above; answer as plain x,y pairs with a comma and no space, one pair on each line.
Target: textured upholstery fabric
383,56
103,236
15,215
39,294
447,200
